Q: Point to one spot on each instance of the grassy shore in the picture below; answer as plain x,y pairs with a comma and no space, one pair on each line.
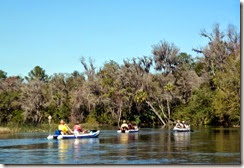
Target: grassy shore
42,128
4,130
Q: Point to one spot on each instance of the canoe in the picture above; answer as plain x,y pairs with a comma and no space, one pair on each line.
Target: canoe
187,129
91,134
128,131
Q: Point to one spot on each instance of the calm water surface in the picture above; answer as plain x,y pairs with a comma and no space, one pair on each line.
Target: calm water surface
150,146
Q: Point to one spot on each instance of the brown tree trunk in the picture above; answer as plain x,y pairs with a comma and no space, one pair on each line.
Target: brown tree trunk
153,109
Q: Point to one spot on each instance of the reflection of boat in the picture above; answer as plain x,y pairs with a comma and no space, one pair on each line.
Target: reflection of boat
126,138
186,129
91,134
128,131
86,141
182,139
62,150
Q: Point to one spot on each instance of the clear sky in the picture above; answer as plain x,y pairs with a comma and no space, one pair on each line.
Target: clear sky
54,34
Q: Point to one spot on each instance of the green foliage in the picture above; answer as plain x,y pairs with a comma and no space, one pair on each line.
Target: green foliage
169,87
37,73
91,119
140,96
9,106
219,106
103,115
185,59
3,75
18,116
57,113
137,120
105,118
227,99
199,68
199,110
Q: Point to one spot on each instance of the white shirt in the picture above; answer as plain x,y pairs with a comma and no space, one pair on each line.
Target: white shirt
124,125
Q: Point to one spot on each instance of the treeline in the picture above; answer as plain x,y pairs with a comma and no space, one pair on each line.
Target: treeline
150,90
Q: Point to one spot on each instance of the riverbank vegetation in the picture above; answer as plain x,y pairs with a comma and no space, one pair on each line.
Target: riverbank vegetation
12,128
4,130
149,90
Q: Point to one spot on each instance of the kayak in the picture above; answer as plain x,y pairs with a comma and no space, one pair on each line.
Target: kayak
91,134
128,131
187,129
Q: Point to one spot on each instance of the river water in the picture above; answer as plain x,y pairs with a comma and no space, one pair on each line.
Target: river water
205,145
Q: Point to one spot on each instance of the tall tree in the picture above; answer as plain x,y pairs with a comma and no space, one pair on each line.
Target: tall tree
37,73
10,107
165,57
59,97
34,100
3,75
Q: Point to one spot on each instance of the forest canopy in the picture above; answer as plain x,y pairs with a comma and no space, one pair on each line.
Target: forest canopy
148,90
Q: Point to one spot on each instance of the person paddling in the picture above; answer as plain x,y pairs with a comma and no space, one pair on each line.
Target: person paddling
178,124
63,128
124,126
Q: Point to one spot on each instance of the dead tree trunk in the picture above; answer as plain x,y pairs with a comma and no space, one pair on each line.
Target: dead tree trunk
159,117
120,111
168,108
162,110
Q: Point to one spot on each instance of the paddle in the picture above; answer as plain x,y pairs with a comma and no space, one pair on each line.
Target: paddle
71,130
68,128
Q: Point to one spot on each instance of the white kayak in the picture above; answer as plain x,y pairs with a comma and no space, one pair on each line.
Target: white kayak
128,131
91,134
186,129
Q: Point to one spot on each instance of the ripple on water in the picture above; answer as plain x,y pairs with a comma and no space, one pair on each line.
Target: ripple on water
149,146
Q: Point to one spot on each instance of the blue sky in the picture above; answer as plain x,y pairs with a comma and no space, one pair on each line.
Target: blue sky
55,34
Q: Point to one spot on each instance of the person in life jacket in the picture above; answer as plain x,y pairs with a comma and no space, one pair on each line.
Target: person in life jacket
77,128
63,128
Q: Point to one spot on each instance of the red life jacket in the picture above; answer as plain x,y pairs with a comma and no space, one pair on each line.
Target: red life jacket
77,128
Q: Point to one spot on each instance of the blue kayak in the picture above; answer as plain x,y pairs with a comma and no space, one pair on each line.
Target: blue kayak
91,134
